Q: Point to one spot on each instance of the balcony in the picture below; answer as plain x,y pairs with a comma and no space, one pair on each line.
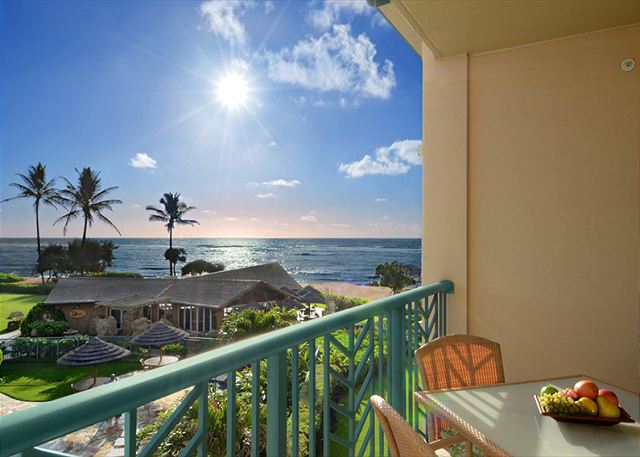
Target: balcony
271,381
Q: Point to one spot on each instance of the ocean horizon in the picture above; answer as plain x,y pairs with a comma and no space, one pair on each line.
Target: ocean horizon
309,260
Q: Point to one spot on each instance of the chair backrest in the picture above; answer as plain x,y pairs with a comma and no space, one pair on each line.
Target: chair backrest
460,361
403,441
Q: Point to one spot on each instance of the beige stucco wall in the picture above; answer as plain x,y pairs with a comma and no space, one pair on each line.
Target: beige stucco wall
444,180
552,234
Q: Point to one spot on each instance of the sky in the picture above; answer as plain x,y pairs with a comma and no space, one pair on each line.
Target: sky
272,118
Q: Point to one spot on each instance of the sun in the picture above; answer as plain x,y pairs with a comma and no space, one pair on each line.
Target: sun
232,90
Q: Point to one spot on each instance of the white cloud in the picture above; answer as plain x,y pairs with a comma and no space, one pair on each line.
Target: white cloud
380,200
136,205
143,160
266,195
208,211
396,159
309,217
230,219
334,61
223,17
268,6
339,225
254,219
272,144
332,10
281,183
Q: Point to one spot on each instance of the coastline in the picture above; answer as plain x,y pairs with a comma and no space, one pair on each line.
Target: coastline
368,293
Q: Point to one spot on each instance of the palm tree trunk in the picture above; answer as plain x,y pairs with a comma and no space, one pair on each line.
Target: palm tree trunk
170,247
84,238
38,238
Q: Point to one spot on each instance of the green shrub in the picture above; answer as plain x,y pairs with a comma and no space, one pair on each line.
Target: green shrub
216,423
116,274
342,302
393,276
13,324
10,277
41,312
250,322
201,266
178,349
50,328
33,289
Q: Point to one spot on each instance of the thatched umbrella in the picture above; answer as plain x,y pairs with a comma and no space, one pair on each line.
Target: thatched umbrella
159,335
16,315
93,352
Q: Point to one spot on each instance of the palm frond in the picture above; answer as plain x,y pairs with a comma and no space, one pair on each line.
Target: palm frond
186,222
157,218
108,222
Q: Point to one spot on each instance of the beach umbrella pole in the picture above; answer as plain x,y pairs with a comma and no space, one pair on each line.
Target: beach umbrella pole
95,374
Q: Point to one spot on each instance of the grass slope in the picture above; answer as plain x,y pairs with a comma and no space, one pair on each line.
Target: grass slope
16,302
44,381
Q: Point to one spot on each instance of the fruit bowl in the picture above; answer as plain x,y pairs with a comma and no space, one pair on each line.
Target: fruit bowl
579,419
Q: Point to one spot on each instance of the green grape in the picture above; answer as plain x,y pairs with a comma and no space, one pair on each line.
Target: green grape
557,403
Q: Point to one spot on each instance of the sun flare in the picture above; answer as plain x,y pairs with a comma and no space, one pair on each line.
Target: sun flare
232,90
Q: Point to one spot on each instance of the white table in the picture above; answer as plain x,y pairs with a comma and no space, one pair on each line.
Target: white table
155,362
504,420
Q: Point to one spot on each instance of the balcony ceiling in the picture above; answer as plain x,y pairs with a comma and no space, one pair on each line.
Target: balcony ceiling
476,26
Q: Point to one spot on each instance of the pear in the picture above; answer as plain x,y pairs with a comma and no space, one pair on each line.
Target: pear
588,406
606,408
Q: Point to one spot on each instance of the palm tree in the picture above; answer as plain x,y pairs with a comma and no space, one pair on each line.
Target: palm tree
171,214
86,199
35,185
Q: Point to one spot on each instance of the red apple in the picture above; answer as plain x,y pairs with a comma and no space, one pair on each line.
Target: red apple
609,396
570,393
586,388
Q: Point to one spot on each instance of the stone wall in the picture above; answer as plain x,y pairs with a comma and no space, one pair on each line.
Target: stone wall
83,324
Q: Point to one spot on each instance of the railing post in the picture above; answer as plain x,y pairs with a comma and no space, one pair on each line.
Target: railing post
130,425
277,404
396,349
203,415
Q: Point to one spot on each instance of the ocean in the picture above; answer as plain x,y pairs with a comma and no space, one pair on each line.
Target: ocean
309,260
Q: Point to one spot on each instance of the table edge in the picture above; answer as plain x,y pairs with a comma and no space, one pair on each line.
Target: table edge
461,426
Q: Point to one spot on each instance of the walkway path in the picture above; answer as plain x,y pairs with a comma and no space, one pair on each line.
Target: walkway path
101,439
10,335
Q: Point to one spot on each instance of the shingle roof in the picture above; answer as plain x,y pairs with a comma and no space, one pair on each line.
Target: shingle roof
271,273
215,290
93,290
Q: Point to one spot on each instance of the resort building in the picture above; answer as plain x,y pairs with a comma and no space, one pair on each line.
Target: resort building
531,236
196,304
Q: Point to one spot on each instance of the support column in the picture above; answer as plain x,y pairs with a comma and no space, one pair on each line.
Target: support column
445,179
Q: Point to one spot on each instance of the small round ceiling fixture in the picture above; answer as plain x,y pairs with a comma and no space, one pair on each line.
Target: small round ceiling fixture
628,64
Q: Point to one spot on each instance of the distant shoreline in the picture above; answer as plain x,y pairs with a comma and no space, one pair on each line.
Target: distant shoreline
309,260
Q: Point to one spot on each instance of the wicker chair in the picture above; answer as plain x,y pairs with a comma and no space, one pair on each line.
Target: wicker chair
403,441
456,361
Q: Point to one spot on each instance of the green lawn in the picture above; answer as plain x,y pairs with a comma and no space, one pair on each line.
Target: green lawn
43,381
16,302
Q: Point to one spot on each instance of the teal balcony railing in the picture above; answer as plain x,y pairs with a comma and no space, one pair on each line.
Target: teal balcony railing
330,365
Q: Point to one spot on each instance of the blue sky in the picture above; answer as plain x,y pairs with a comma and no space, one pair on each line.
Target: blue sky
325,144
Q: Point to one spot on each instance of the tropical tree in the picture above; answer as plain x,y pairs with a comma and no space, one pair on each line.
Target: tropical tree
35,185
391,275
201,266
171,213
86,199
175,255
